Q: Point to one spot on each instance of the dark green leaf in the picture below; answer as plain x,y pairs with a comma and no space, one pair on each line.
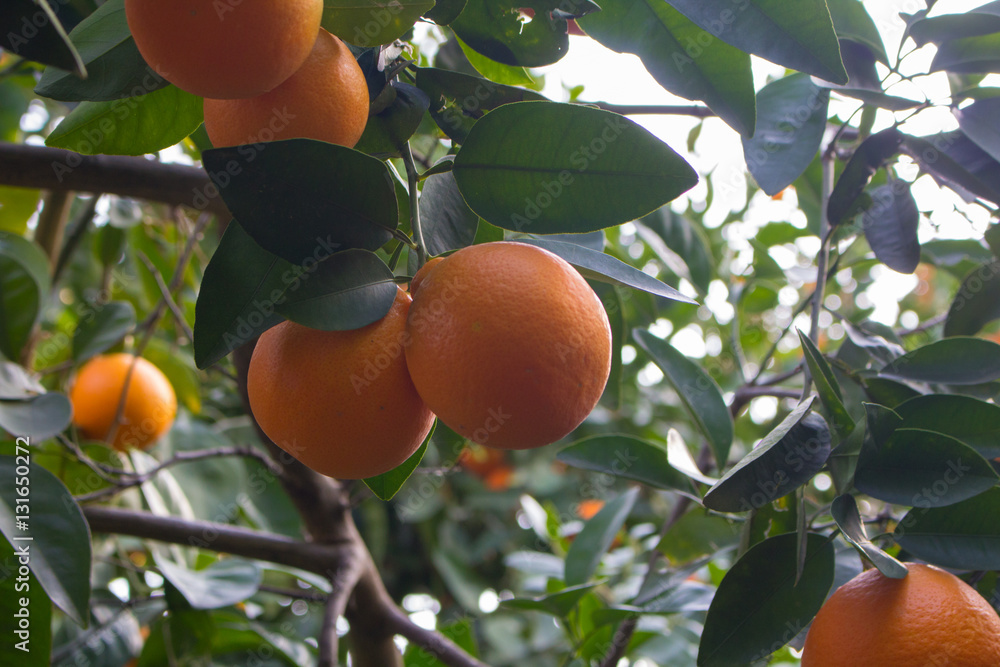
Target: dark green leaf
791,119
972,23
952,159
101,329
549,168
445,11
386,485
494,28
595,539
921,468
867,159
864,82
59,546
448,222
24,285
39,417
978,122
114,67
24,647
347,291
605,268
977,302
974,422
964,536
826,386
221,584
462,632
182,632
784,460
687,241
992,237
845,513
890,226
759,607
627,457
304,200
802,38
969,55
31,29
957,360
372,22
557,604
510,75
701,395
679,55
852,21
387,131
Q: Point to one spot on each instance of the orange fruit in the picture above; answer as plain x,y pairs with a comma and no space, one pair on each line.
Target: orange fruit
930,617
224,50
326,99
481,461
150,404
341,402
588,508
509,345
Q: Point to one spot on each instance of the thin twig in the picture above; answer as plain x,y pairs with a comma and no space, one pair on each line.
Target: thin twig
412,179
168,299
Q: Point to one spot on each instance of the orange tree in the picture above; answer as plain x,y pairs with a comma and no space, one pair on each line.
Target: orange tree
777,415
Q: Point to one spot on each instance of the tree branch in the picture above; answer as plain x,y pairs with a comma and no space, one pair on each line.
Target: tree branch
59,170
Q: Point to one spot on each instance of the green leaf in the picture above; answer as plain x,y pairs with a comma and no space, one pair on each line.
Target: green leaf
964,536
954,160
921,468
557,604
131,126
826,386
595,539
17,205
679,55
304,200
971,23
16,382
890,226
605,268
974,422
510,75
39,418
845,513
101,329
462,632
867,159
239,291
957,360
223,583
24,286
800,37
30,29
977,302
759,607
547,168
978,122
448,222
992,238
688,242
349,290
494,29
969,55
852,21
58,551
700,394
115,69
367,23
15,589
784,460
791,119
387,131
627,457
445,11
386,485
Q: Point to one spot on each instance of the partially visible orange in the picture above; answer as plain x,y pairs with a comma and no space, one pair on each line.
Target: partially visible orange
588,508
510,346
341,402
224,49
150,403
930,617
325,99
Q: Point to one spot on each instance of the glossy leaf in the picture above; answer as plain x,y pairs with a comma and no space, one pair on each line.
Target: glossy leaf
791,119
867,159
304,200
845,513
59,548
976,303
964,536
372,22
677,54
784,460
974,422
39,417
494,29
565,169
957,360
595,539
700,394
223,583
921,468
31,29
29,647
511,75
800,37
448,222
852,21
24,285
890,226
115,69
386,485
605,268
826,386
626,457
102,329
758,600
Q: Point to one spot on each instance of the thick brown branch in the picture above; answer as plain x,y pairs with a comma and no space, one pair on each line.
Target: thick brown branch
59,170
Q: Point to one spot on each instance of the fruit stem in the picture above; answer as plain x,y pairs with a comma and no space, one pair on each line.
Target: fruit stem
412,179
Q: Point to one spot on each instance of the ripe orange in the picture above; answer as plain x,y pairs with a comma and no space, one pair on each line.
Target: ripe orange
228,49
930,617
341,402
326,99
510,346
150,404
